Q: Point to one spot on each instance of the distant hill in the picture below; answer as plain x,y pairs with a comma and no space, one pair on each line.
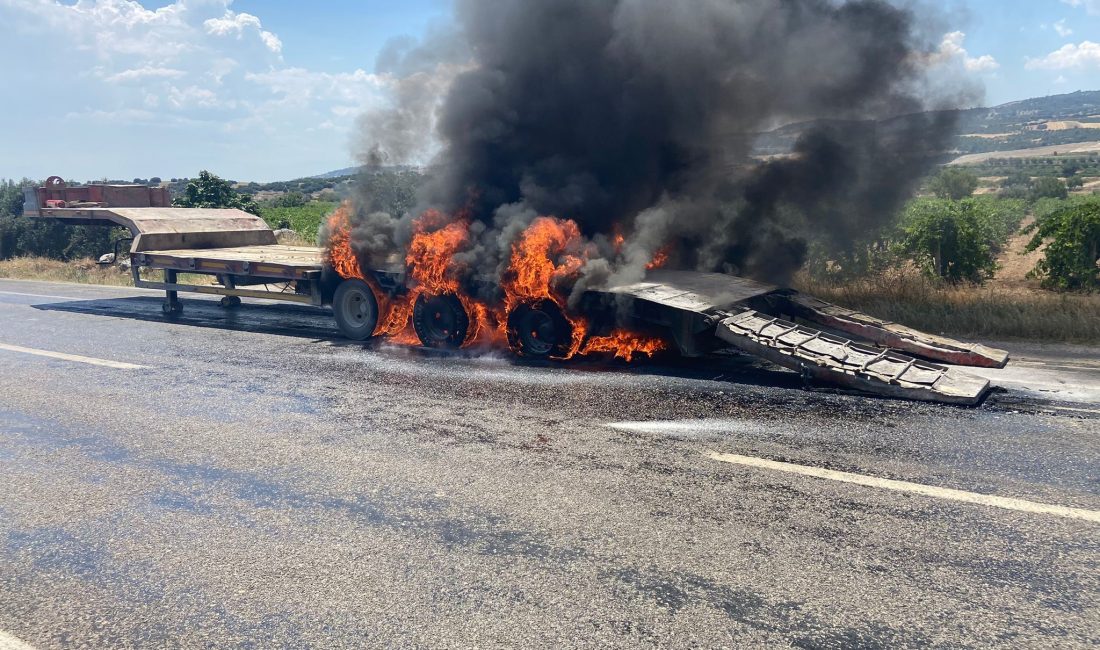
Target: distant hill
337,173
1039,122
352,171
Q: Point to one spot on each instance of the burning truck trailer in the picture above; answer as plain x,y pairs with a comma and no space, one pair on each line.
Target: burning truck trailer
693,313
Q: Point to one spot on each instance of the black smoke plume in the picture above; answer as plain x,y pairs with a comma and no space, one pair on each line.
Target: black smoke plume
639,116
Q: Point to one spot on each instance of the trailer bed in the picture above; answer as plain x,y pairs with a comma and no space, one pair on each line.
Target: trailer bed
268,261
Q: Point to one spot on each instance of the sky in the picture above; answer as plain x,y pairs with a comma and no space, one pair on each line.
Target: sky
270,90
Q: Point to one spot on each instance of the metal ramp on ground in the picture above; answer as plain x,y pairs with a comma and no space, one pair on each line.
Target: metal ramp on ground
886,333
835,360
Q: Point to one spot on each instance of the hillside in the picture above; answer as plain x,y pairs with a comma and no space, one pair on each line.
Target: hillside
1030,123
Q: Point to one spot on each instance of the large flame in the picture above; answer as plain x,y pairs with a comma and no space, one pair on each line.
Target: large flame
546,257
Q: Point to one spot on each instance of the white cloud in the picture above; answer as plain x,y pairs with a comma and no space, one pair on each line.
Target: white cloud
1061,28
1091,6
214,75
271,41
141,74
300,84
1068,57
238,24
231,23
952,52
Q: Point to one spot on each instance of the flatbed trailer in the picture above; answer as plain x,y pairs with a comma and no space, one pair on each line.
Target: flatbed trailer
698,312
237,248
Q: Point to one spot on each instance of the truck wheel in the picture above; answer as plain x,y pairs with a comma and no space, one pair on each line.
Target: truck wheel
539,330
355,309
230,302
440,321
171,308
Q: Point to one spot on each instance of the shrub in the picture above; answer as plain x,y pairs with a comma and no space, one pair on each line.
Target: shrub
1072,251
953,183
1048,187
304,220
956,240
293,199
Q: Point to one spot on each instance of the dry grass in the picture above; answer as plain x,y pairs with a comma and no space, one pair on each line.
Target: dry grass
84,271
990,312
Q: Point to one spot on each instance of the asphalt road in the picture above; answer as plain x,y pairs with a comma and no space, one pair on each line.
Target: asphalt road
245,479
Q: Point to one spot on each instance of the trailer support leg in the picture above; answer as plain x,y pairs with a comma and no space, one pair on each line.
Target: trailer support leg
229,302
172,305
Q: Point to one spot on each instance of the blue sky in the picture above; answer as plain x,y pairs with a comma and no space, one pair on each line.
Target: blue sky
272,89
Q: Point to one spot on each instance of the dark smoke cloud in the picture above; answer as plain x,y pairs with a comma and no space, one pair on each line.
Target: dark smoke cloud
640,114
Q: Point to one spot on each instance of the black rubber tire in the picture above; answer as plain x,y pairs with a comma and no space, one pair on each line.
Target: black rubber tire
171,309
440,321
539,330
356,309
230,302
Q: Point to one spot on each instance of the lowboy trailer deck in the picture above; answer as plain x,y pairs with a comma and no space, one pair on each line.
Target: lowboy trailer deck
698,312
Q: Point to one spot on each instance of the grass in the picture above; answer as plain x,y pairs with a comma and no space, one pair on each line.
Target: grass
304,220
979,312
84,271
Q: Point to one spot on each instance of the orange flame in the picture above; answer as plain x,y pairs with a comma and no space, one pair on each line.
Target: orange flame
624,345
660,258
340,256
617,238
549,253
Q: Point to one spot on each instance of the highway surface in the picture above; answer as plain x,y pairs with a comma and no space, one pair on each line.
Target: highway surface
245,479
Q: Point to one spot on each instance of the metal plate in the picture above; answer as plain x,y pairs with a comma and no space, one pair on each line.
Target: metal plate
841,361
693,291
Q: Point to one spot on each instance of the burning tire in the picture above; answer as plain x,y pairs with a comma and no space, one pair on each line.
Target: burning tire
539,330
440,321
355,309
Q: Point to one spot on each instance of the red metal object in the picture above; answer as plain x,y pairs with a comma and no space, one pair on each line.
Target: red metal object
112,196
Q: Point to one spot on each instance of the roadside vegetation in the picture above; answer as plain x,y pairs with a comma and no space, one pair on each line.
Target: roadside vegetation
991,312
1021,262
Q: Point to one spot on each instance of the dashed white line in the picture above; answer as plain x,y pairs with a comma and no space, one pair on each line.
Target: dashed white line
684,426
913,488
71,357
9,642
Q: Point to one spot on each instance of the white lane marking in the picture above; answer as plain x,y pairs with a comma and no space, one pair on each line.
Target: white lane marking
915,488
683,426
38,295
9,642
72,357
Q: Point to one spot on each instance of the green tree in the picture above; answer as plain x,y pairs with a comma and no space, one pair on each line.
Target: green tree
209,191
292,199
953,240
392,192
953,183
1073,247
1048,187
1016,185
